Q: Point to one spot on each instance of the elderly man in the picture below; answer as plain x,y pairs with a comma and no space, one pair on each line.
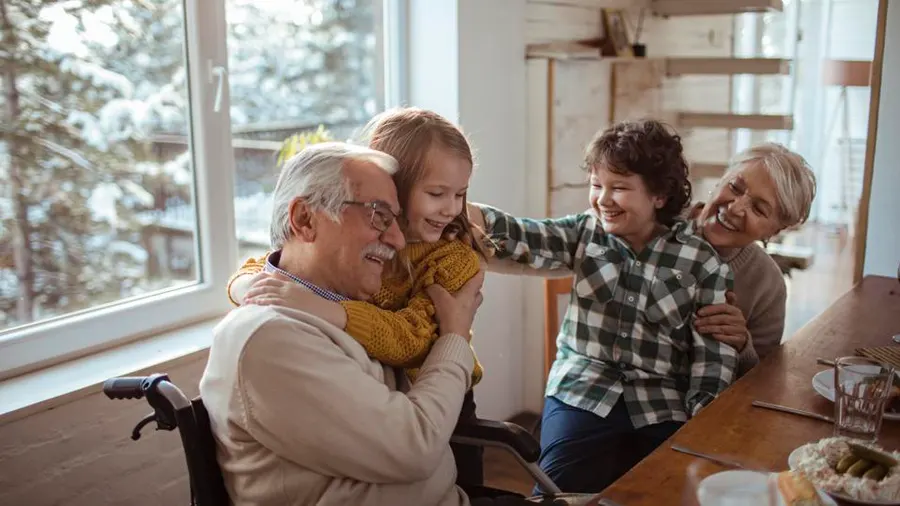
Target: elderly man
300,413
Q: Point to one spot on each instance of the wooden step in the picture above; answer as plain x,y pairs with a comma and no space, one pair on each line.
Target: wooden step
703,170
732,121
727,66
706,7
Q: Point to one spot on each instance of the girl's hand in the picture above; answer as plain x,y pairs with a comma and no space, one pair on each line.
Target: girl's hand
275,289
724,322
455,313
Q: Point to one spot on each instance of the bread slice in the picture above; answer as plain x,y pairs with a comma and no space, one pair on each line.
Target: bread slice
796,490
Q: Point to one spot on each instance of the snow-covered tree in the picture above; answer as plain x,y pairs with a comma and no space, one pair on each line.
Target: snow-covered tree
320,70
69,139
88,86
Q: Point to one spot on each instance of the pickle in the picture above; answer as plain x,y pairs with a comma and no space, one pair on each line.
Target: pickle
859,468
845,463
876,473
867,453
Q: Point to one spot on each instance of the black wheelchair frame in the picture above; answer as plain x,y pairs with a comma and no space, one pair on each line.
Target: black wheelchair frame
173,410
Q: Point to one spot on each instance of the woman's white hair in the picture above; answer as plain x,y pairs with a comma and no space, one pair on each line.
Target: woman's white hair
316,174
795,183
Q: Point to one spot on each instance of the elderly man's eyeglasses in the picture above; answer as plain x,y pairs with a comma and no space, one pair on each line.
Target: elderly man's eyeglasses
382,216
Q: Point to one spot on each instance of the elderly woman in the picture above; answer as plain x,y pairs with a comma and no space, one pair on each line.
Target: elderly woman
767,189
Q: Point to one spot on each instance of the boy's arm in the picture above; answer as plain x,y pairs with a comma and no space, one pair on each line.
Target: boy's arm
403,338
714,364
240,280
546,244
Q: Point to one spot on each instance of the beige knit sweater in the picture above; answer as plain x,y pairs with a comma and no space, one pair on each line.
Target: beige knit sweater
761,295
301,415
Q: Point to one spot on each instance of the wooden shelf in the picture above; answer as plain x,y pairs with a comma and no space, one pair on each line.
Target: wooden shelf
702,170
727,66
563,50
707,7
573,50
732,121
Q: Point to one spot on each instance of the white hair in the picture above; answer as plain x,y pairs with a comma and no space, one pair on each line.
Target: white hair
795,182
316,174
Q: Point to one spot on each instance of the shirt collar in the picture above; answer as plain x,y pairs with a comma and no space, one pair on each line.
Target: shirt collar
272,266
683,230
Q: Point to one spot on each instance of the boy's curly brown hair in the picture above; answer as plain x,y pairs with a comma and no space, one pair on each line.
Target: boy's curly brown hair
651,150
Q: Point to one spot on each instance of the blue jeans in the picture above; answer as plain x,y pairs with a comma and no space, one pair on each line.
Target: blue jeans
583,452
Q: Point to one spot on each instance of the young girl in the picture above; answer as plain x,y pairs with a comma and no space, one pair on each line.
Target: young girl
630,367
398,328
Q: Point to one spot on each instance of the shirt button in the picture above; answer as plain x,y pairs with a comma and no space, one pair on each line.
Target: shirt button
630,298
678,276
637,264
624,334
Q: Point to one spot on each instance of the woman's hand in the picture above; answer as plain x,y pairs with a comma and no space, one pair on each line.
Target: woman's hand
455,313
725,322
276,289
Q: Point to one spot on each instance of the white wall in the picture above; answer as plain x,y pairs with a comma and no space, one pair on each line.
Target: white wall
883,235
467,62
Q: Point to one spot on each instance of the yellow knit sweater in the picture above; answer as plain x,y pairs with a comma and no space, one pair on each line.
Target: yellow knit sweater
398,327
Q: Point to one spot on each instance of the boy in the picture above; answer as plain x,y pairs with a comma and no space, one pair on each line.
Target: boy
630,368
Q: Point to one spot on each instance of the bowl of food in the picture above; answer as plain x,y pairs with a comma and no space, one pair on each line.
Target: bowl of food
849,470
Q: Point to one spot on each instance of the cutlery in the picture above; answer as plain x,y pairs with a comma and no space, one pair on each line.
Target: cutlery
708,456
825,361
793,411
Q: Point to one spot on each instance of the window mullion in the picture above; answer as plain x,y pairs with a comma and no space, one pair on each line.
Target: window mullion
211,139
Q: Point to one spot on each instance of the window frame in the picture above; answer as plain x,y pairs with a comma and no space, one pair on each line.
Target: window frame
48,342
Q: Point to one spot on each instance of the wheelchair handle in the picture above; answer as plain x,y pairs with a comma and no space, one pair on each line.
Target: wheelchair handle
159,391
126,387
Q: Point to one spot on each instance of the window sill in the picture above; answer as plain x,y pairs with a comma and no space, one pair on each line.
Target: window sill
47,388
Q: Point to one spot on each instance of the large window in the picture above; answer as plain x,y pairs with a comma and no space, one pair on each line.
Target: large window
127,130
306,66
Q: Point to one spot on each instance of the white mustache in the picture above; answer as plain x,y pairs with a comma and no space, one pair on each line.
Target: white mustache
380,250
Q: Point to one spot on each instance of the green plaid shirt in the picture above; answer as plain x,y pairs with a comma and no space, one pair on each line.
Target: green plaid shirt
629,328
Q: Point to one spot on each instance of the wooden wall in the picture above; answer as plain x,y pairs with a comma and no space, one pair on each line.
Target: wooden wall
561,20
81,453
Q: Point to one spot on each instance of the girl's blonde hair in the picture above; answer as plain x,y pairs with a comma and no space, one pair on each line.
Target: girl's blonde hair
409,134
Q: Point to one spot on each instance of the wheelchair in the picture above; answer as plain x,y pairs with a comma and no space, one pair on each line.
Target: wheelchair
173,410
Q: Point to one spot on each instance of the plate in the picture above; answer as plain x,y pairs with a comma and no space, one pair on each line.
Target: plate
750,481
794,458
823,384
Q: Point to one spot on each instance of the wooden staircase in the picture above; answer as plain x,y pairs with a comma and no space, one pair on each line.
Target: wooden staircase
668,8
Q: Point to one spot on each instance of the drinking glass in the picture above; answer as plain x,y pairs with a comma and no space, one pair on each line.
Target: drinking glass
861,388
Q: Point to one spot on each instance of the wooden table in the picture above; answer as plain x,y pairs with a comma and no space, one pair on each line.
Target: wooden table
867,315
